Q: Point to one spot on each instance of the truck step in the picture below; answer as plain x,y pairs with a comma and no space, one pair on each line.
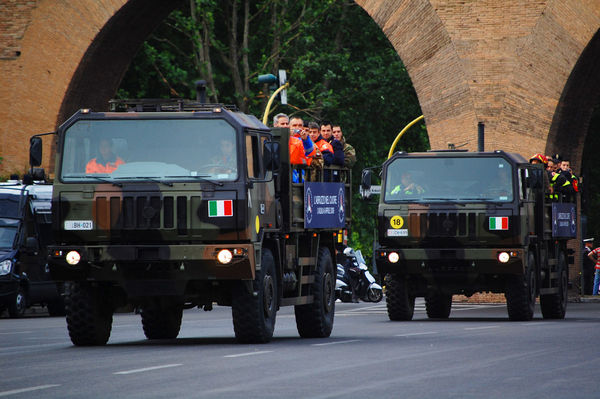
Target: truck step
307,279
300,300
546,291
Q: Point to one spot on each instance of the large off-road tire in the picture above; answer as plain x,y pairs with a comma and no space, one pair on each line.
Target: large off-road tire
161,318
438,306
89,314
18,304
254,312
521,293
315,320
554,306
400,305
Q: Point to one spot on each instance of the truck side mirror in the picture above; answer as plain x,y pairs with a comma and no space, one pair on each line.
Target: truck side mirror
365,182
271,156
35,151
536,178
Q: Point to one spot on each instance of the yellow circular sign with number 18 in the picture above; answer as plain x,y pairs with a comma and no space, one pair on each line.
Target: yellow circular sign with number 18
396,222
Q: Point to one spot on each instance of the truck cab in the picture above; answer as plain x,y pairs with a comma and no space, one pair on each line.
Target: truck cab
457,222
172,204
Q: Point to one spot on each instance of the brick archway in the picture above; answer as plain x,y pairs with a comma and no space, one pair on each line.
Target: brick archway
522,67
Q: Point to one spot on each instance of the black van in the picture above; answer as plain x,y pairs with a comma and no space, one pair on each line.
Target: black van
25,231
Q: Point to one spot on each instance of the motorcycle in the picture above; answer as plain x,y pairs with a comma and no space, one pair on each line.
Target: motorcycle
354,281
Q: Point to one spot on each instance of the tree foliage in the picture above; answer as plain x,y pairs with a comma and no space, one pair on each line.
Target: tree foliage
340,66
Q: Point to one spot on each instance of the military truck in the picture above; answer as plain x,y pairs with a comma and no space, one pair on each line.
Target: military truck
25,222
198,208
456,222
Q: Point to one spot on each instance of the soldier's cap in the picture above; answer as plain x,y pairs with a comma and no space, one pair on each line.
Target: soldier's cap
588,240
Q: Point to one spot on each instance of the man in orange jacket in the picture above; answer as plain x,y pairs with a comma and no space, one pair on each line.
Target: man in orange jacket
107,162
302,149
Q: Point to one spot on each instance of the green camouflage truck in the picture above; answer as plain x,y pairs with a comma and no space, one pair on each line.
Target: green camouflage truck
456,222
200,207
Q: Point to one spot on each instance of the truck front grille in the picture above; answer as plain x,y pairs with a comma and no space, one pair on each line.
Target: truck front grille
444,224
141,212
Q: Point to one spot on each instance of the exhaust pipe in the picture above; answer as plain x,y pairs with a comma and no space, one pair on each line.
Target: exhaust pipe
480,136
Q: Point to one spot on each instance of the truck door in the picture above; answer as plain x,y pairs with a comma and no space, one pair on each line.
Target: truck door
262,207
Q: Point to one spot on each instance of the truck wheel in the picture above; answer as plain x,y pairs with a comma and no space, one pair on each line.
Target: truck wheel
554,306
161,319
18,305
89,316
400,305
315,320
254,312
438,306
521,293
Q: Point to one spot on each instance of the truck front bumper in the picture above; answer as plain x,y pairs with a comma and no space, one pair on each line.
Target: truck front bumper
152,262
432,261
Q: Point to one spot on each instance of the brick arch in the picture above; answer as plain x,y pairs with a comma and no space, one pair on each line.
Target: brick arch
518,66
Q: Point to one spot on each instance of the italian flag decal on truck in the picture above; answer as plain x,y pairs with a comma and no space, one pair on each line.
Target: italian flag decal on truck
499,223
219,208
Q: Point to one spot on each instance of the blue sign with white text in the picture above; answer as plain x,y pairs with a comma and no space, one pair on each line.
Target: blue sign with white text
564,220
324,205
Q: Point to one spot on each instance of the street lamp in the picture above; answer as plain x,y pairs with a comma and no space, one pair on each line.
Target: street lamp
271,79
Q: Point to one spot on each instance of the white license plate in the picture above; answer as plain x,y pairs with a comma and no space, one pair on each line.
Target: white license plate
79,225
397,232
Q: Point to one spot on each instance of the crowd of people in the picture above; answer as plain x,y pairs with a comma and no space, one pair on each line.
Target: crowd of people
561,179
316,145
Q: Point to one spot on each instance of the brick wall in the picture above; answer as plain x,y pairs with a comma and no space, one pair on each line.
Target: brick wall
15,16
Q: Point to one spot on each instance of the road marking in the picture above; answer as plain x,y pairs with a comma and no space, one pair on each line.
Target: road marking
16,332
480,328
419,333
164,366
22,390
17,348
337,342
248,354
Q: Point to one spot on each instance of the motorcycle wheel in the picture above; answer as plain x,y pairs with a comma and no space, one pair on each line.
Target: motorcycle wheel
374,295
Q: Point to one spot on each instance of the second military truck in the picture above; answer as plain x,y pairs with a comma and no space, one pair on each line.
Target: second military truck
456,222
172,205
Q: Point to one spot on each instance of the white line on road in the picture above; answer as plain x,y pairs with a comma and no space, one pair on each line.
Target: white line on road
164,366
15,332
419,333
336,342
248,354
22,390
480,328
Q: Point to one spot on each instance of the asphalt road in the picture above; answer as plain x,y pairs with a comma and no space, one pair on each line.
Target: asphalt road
477,353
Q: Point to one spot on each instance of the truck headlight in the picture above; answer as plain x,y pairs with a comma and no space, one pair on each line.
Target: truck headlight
503,257
5,267
224,256
73,258
393,257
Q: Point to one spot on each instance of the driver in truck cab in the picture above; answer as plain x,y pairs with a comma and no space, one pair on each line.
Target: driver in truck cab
106,162
407,186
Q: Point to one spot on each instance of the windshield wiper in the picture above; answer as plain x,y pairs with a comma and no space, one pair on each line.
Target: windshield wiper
201,178
98,178
152,179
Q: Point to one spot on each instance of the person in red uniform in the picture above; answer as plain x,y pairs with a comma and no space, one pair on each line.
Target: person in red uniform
107,162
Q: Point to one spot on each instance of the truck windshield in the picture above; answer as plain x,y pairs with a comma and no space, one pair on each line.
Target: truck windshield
449,179
149,150
8,231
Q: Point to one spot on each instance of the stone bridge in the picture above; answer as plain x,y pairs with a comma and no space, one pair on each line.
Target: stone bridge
529,70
